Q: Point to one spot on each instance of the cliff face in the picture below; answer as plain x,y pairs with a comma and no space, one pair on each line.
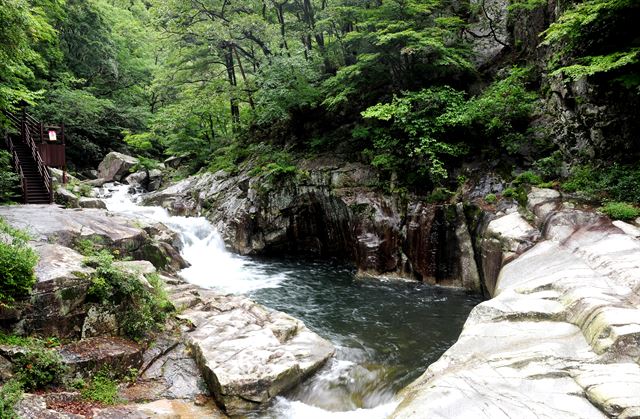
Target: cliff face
589,119
333,211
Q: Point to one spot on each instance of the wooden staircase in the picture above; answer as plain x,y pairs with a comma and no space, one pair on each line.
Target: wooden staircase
35,181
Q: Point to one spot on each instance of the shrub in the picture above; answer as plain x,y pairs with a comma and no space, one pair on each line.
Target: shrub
10,394
39,368
616,182
491,198
620,211
102,388
139,310
527,178
439,195
17,263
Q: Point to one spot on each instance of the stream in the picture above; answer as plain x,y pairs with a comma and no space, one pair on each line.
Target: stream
385,332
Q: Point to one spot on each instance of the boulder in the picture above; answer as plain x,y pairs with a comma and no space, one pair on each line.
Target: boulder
155,180
92,203
247,353
174,161
115,166
66,198
91,355
57,303
139,178
57,176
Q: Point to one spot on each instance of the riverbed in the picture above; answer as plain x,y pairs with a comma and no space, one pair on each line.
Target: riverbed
386,331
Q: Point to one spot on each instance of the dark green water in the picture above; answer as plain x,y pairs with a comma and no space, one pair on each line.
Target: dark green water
386,332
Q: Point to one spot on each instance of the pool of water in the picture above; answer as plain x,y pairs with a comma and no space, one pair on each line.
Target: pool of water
385,332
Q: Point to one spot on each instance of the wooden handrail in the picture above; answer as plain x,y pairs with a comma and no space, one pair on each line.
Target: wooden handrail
42,169
28,126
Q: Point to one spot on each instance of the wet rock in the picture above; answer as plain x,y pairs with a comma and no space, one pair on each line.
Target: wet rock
92,203
557,339
115,166
333,212
66,198
89,356
139,178
97,183
542,202
155,180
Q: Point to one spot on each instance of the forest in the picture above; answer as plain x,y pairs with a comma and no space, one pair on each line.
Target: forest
320,208
395,83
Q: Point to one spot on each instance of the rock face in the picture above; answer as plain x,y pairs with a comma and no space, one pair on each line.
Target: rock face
116,166
58,304
332,211
247,353
559,339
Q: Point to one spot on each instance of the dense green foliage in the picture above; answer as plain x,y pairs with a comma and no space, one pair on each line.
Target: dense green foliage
10,394
597,36
616,182
17,264
139,309
39,368
620,211
389,82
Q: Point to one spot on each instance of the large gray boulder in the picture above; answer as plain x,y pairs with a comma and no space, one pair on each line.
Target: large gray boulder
560,337
246,353
115,166
66,198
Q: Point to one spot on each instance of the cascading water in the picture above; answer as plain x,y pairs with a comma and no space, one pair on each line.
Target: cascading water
385,332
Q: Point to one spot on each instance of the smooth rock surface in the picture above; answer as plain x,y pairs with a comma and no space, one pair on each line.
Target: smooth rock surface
561,338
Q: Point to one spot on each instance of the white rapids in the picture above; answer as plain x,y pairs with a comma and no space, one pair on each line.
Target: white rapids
213,267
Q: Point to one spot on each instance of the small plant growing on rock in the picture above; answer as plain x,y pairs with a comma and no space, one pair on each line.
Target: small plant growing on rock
527,178
102,388
491,198
620,211
138,308
17,264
